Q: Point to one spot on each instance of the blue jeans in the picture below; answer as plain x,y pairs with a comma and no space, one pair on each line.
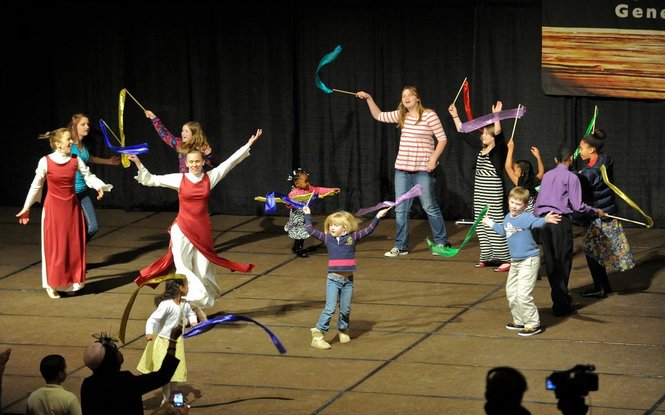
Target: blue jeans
404,181
89,214
337,287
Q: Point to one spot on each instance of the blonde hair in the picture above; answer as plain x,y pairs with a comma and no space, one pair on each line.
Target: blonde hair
197,141
343,218
520,193
401,117
53,136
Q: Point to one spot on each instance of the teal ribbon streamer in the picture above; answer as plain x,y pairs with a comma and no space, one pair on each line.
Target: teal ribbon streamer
329,57
210,323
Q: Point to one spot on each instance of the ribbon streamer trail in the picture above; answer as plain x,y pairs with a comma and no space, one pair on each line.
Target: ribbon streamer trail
480,122
415,191
210,323
450,252
135,149
622,195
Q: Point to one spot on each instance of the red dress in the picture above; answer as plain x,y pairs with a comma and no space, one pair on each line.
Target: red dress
194,222
63,229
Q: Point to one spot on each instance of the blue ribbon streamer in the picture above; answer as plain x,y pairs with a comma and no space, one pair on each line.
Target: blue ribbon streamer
271,205
135,149
329,57
209,324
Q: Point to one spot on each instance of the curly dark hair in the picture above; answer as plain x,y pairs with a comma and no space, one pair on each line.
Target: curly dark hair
295,174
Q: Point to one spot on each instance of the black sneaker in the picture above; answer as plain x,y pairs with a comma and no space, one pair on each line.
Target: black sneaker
513,326
565,312
530,331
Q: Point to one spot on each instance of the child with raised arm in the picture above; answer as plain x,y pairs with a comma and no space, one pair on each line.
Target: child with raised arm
521,172
299,179
340,237
524,262
191,138
172,310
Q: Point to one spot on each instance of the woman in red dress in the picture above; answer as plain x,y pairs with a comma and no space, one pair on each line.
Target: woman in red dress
63,225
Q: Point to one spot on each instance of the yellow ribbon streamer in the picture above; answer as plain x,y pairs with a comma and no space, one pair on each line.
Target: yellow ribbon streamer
603,172
130,304
121,113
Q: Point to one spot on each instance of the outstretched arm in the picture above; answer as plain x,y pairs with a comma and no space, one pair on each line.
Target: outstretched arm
497,124
453,113
373,108
539,160
111,161
509,163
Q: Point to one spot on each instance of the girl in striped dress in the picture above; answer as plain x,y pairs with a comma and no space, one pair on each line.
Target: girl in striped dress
488,190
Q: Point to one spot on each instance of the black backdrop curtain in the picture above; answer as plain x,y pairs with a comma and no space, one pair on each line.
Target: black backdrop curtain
236,71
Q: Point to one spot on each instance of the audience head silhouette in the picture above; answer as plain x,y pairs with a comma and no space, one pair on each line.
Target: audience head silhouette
504,391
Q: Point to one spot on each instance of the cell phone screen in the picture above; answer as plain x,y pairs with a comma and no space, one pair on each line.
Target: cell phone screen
549,385
178,399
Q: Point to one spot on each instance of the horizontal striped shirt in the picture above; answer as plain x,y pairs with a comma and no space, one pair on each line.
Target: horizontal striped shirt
416,144
341,250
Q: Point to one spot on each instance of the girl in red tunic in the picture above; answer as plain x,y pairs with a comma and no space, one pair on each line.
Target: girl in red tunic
63,225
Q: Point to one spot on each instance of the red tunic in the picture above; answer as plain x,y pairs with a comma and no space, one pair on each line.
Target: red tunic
194,222
63,227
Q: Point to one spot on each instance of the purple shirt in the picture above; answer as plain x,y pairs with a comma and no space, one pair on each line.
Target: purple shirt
560,192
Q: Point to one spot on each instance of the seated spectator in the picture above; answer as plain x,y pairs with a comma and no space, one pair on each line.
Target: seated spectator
4,357
504,391
52,398
112,391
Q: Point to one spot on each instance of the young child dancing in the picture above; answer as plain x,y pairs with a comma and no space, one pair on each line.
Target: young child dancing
340,237
192,138
521,172
299,179
171,311
605,245
524,261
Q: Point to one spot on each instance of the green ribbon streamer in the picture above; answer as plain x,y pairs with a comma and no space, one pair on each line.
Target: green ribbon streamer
436,249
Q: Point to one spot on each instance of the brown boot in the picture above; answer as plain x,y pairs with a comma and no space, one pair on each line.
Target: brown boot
318,342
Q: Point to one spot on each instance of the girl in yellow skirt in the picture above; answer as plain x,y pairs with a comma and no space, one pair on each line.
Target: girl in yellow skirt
171,310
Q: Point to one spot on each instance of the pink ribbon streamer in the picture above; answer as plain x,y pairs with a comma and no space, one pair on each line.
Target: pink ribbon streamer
480,122
415,191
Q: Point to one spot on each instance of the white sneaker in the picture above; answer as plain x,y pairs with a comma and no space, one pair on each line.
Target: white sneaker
343,337
318,342
395,252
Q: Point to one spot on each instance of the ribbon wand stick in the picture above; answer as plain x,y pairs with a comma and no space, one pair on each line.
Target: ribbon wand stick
310,199
519,106
135,100
344,92
627,220
109,128
460,90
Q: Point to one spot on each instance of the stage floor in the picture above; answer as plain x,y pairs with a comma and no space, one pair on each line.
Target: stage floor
425,329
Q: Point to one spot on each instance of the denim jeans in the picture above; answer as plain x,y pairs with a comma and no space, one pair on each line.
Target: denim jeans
337,287
89,214
404,181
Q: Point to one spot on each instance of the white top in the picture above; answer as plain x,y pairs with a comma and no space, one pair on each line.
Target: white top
35,192
167,315
172,180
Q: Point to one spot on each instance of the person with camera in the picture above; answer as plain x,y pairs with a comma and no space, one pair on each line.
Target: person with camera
112,391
